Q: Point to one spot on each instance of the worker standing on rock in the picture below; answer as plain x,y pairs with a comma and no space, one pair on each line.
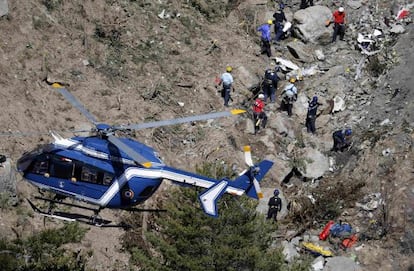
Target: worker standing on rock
289,96
342,139
266,38
275,205
338,18
280,18
226,80
259,116
270,85
311,115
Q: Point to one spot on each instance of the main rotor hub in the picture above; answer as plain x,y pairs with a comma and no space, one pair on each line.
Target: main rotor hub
104,129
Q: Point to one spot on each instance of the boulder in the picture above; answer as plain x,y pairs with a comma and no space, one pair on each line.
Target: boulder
4,7
316,164
341,263
289,251
282,124
246,77
281,169
300,51
310,23
354,4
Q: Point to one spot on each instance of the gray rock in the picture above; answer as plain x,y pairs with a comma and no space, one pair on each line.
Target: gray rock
397,29
4,7
310,23
246,77
354,4
341,263
300,51
289,250
316,164
317,264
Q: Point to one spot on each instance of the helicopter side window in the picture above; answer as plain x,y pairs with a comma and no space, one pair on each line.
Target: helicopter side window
40,167
107,178
61,167
89,175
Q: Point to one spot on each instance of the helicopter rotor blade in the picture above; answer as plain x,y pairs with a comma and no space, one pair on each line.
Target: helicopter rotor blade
138,158
75,102
38,133
182,120
249,161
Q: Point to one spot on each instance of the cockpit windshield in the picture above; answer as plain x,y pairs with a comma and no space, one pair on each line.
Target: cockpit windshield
27,158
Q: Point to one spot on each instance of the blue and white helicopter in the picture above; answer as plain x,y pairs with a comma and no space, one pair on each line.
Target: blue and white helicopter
113,172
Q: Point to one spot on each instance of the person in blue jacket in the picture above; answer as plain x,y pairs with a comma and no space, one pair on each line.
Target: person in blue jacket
311,115
342,139
275,205
266,38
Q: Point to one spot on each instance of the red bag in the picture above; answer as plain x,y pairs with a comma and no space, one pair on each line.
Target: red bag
325,232
349,242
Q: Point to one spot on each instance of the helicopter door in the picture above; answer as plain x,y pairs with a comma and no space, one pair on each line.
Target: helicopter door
62,168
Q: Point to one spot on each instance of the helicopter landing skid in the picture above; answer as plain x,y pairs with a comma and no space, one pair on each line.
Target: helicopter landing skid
94,220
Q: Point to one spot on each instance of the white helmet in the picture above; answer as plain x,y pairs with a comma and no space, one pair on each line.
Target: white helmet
261,96
341,9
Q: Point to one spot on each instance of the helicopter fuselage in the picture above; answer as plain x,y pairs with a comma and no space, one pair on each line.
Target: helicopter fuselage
91,169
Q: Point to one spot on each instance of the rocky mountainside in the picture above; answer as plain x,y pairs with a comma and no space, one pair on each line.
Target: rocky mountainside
136,61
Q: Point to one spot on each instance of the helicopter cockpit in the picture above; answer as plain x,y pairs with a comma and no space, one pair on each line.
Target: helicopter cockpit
48,164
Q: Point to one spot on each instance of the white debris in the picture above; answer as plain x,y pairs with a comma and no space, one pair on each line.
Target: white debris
286,64
162,14
339,104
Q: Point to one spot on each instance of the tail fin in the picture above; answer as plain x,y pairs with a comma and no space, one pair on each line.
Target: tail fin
245,181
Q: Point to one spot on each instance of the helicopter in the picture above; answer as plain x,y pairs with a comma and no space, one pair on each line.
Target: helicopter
107,171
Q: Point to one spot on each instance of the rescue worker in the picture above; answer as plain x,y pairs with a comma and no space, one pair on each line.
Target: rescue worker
342,139
275,205
289,96
280,18
226,80
311,115
266,38
270,85
338,18
259,116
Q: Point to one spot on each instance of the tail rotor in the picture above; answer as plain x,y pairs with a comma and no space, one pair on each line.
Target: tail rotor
254,170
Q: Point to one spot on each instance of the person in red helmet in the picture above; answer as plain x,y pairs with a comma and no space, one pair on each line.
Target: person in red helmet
338,18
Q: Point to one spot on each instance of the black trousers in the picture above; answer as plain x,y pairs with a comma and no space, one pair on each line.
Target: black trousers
266,48
260,119
310,124
339,29
272,213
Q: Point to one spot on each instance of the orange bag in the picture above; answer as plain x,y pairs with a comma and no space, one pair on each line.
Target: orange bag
349,242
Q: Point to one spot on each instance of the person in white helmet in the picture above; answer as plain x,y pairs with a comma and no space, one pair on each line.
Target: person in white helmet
259,116
338,18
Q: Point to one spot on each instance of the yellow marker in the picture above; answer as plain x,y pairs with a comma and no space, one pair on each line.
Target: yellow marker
246,148
56,85
260,195
237,111
147,164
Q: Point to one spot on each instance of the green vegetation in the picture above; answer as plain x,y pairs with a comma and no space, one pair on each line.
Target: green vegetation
187,239
43,251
